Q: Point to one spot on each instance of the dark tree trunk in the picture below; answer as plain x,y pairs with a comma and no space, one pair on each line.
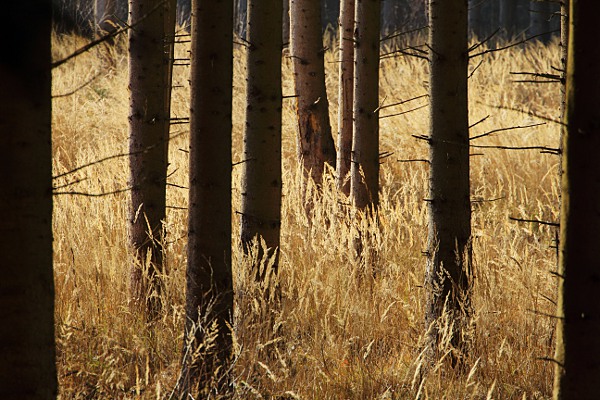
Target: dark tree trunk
540,16
209,294
315,143
261,181
365,138
346,96
577,371
449,247
27,369
150,49
508,18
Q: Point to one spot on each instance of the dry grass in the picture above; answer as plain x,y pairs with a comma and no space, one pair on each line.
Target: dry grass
344,334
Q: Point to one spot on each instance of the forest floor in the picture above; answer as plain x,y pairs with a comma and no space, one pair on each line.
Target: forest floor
344,333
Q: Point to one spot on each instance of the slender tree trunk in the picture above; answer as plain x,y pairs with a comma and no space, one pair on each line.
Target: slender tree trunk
577,371
261,182
315,143
27,370
149,67
365,138
209,294
449,247
346,95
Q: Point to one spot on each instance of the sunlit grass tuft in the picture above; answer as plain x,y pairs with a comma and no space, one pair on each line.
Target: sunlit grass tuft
342,333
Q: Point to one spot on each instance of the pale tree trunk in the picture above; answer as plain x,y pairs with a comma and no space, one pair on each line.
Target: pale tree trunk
449,246
577,371
564,40
27,370
315,143
149,69
261,181
346,95
209,294
364,170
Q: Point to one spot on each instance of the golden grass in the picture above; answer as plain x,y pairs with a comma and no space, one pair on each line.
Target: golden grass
344,333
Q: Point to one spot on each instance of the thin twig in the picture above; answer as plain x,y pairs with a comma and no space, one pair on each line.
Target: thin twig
548,150
506,129
511,45
403,112
403,101
534,221
92,79
530,113
85,194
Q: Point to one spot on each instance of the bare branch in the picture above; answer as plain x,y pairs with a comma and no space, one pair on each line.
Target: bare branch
85,194
506,129
403,101
403,112
83,85
511,45
534,221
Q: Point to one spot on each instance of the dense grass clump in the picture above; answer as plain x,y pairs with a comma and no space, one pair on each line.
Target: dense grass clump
343,332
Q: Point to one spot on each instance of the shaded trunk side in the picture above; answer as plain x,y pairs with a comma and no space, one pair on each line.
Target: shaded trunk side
577,371
346,95
27,343
209,291
148,145
449,247
365,137
315,143
261,179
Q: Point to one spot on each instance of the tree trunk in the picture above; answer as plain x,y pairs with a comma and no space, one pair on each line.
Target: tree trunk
391,17
365,137
508,18
315,143
449,247
577,371
209,294
261,182
27,370
346,95
539,20
476,18
149,69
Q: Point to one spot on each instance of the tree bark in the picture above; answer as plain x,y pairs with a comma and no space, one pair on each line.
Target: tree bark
261,181
577,371
209,294
539,19
449,247
365,137
346,95
149,71
315,143
508,18
28,369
